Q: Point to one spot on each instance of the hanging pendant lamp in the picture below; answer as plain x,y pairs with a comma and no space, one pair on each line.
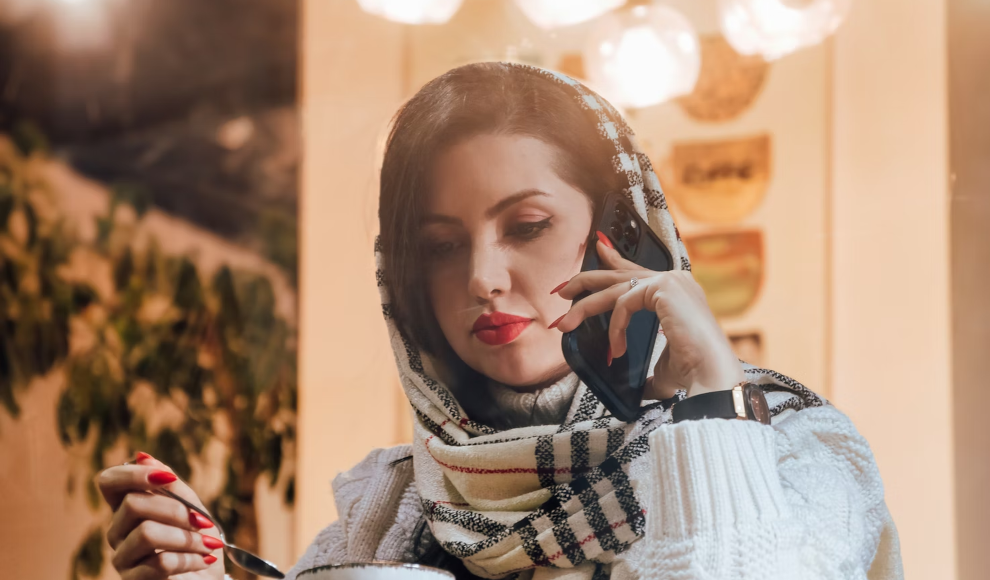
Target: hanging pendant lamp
774,28
548,14
643,55
412,11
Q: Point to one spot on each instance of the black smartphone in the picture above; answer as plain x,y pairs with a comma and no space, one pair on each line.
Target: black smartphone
619,386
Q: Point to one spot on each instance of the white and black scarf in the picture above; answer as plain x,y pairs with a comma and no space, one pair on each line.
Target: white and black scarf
548,496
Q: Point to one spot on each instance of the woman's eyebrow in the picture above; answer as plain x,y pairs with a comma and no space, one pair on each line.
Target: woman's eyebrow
511,200
490,213
434,218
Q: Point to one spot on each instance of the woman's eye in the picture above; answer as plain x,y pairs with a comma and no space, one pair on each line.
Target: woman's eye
528,230
438,250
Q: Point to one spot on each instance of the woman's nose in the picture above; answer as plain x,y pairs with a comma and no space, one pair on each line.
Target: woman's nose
489,276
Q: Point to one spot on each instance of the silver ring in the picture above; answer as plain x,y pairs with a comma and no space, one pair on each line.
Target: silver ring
633,282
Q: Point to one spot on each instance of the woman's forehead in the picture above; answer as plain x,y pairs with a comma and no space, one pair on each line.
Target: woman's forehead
485,169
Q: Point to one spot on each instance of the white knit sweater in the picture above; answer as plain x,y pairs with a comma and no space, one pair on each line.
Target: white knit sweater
799,499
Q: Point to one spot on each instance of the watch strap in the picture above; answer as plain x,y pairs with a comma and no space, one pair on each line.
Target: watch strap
714,405
743,401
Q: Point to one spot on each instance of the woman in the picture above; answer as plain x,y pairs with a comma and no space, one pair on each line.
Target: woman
488,187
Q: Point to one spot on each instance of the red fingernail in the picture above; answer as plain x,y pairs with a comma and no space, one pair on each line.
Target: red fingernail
199,521
212,543
608,361
209,559
557,289
604,239
141,456
556,322
161,477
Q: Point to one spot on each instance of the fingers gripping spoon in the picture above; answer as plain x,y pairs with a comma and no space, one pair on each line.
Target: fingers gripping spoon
239,556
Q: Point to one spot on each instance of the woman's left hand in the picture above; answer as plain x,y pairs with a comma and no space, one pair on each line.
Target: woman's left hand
698,356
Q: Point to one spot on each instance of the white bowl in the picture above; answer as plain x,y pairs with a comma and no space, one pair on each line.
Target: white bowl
375,571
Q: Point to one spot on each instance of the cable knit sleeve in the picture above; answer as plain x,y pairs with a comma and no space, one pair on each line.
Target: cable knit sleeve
738,500
377,512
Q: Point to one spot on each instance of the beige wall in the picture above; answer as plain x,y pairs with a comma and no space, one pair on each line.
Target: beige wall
347,380
969,114
891,345
792,107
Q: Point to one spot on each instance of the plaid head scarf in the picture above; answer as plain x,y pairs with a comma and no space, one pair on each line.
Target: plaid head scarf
552,496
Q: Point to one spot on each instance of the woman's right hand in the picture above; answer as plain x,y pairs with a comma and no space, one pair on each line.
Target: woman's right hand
155,537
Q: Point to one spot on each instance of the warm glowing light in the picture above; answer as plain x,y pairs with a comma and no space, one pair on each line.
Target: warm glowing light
235,133
412,11
549,14
643,56
13,12
773,28
82,24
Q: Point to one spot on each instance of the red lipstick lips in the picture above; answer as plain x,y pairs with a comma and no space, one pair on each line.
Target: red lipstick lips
499,328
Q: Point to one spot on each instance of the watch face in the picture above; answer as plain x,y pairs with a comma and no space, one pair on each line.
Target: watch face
758,404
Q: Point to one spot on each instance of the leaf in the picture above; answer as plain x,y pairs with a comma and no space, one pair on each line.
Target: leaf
121,414
82,425
188,291
130,331
170,451
7,374
7,397
65,415
88,559
290,492
108,436
138,431
32,222
279,232
47,347
230,312
103,228
258,303
134,194
29,138
92,495
152,258
82,296
6,206
195,378
9,275
271,456
123,269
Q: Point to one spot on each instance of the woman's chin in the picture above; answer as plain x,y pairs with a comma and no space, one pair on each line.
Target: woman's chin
515,368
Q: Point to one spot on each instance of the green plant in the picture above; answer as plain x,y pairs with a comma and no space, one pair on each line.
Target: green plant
156,335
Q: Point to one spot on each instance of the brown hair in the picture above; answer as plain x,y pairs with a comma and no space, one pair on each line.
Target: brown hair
482,98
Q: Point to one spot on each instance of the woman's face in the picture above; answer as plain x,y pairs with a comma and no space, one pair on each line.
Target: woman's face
501,231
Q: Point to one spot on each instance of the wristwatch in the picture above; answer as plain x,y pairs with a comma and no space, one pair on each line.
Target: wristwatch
744,401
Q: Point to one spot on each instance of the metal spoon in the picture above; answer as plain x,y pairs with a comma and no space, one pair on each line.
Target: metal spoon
242,558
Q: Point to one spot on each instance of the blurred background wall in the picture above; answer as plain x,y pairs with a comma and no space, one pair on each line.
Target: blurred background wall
149,154
848,248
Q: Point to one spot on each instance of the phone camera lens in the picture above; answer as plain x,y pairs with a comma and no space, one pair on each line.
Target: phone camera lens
616,232
632,231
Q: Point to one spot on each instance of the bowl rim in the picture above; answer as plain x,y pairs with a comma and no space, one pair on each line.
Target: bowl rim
377,564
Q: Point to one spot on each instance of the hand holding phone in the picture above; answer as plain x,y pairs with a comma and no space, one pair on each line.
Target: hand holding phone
611,329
